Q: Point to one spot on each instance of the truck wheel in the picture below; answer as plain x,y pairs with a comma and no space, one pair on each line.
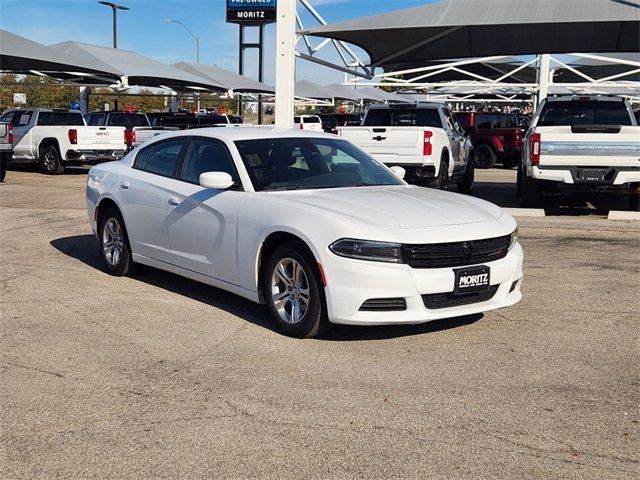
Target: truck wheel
465,185
531,196
634,198
485,157
50,161
510,162
442,180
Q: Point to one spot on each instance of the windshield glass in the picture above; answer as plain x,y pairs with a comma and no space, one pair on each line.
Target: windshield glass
309,163
584,113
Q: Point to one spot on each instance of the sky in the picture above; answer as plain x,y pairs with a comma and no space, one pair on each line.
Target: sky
143,30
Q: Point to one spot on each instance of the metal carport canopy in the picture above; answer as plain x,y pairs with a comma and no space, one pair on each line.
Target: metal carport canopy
232,81
21,55
137,69
478,28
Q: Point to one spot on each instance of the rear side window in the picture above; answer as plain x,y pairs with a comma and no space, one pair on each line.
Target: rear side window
161,158
206,156
60,119
128,120
584,113
418,117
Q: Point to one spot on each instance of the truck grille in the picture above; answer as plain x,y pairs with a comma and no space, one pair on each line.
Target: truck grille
456,254
434,301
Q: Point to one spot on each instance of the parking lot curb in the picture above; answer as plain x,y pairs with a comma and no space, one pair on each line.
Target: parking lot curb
525,212
623,215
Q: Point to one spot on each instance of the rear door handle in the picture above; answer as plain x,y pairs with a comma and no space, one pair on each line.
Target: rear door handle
125,185
175,201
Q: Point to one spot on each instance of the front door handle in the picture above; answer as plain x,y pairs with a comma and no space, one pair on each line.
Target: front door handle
125,185
175,201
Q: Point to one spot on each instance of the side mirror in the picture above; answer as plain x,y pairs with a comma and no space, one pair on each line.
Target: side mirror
398,171
216,180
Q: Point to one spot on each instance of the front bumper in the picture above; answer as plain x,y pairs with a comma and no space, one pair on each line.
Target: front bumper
351,282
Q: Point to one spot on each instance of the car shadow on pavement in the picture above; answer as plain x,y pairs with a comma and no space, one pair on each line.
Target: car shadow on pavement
85,249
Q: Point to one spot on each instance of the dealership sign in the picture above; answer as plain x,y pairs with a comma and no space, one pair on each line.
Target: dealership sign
251,11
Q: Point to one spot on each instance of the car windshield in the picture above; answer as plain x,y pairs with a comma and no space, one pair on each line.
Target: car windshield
584,113
310,163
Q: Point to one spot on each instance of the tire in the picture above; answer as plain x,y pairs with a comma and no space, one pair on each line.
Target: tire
465,185
531,196
50,161
291,271
4,159
485,156
111,230
509,162
634,198
519,180
442,180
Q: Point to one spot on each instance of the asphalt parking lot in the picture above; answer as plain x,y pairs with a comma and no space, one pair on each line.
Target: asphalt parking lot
157,376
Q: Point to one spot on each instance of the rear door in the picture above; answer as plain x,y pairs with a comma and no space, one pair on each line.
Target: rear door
22,142
144,195
202,223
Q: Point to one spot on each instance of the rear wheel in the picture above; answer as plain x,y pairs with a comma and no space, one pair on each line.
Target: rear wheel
531,193
442,180
294,292
465,185
114,243
485,156
50,161
634,198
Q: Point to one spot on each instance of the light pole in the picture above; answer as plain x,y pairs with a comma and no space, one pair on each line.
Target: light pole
115,7
197,39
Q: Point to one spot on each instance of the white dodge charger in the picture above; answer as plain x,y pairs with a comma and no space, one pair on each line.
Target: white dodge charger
308,224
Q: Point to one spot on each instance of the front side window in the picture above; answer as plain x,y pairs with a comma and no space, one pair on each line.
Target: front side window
310,163
206,156
161,158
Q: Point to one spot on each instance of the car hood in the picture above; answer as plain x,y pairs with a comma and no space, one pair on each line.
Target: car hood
395,206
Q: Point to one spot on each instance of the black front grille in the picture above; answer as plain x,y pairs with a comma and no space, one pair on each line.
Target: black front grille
448,299
456,254
384,305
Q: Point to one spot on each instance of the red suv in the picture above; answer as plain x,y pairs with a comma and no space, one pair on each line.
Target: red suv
496,137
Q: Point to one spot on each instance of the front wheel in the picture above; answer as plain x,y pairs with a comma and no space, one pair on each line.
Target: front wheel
114,244
293,290
51,162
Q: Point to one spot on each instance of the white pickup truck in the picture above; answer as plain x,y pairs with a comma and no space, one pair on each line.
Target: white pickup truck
137,127
425,139
581,144
55,138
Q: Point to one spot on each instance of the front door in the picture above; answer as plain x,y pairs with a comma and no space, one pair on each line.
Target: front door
202,222
145,194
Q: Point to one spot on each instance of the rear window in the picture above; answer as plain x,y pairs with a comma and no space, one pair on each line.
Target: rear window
211,119
311,120
584,113
420,117
60,118
128,120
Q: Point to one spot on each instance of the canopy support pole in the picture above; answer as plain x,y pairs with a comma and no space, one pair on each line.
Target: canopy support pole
544,76
285,63
85,93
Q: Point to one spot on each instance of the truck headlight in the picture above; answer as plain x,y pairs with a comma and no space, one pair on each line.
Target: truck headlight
514,238
368,250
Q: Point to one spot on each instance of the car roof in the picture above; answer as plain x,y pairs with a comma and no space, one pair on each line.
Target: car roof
598,98
245,132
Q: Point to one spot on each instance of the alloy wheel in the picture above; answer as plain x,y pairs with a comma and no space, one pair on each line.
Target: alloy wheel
290,290
112,242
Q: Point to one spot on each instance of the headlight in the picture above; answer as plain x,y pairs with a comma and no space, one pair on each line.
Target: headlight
368,250
514,238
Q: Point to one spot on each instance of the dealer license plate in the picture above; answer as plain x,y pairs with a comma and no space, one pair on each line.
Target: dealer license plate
472,280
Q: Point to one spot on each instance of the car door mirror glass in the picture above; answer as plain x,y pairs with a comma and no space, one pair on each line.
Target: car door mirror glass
398,171
216,180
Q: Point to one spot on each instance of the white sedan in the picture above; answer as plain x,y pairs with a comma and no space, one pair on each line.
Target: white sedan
308,224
